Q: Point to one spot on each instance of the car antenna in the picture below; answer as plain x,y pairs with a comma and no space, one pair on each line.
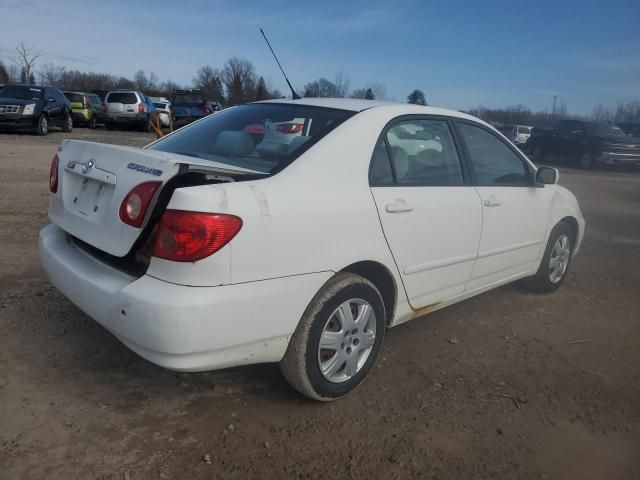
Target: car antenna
294,94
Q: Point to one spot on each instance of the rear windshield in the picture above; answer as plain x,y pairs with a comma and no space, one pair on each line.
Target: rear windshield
525,130
122,97
188,98
261,137
159,105
23,93
74,97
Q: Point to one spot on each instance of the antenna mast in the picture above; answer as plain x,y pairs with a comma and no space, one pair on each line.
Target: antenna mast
294,95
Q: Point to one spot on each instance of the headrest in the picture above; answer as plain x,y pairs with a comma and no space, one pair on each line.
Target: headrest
233,143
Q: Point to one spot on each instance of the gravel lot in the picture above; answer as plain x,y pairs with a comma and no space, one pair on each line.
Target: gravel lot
535,386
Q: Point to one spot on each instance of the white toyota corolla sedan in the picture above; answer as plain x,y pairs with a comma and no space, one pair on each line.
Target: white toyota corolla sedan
207,249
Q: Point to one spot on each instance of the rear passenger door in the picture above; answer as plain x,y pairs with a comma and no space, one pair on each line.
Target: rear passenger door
514,210
430,213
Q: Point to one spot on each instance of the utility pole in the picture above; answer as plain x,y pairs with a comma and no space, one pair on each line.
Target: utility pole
553,111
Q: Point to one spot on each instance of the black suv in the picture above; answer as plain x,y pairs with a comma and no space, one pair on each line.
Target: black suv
34,108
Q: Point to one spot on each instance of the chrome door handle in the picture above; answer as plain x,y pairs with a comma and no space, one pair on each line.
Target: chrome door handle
398,207
491,202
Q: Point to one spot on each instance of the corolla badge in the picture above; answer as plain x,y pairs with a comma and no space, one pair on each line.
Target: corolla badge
87,166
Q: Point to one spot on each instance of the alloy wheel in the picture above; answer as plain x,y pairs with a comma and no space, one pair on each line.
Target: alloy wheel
559,259
347,340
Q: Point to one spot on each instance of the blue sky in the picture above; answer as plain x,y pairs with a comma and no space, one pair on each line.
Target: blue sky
461,53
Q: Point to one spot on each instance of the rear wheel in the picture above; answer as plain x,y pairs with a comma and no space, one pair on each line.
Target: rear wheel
92,122
42,128
67,126
337,340
146,125
555,261
109,125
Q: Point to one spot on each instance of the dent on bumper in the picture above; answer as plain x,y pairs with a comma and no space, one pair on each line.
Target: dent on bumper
180,327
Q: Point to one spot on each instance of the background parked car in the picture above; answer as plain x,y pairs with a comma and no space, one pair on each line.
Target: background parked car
87,108
517,134
585,142
128,107
35,108
190,105
101,93
163,110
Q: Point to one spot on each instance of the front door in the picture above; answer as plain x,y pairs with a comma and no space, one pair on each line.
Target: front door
430,214
514,211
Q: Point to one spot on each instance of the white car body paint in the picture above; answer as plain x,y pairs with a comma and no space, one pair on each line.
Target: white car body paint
314,218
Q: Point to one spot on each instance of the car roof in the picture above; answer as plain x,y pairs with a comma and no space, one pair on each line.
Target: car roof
358,105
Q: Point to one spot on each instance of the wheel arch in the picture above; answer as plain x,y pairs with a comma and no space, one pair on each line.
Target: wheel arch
573,224
382,278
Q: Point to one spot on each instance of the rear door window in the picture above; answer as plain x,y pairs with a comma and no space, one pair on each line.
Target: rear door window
127,98
423,153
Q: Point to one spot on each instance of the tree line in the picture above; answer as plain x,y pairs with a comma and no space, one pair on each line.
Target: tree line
236,82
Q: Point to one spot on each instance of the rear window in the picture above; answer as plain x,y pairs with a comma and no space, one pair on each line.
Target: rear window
122,97
525,130
261,137
188,99
159,105
95,100
74,97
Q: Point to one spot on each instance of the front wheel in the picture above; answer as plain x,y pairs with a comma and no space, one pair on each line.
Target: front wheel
42,128
337,340
67,126
555,261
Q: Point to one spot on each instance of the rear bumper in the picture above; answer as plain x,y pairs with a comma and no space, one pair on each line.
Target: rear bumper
81,116
126,117
180,327
17,122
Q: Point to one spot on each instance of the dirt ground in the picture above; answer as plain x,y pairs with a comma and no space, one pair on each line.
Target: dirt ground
536,386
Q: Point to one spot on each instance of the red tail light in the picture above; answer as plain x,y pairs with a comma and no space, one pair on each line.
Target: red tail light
190,236
290,127
140,108
135,205
53,175
85,103
207,109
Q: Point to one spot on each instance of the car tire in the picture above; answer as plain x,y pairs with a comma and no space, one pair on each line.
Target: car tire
555,261
92,122
109,125
538,154
586,161
351,343
146,125
42,128
67,126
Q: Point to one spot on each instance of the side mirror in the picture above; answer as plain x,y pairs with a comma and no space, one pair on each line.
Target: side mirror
547,176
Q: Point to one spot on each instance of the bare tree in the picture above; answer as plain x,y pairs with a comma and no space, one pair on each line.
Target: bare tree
342,83
321,88
26,59
4,74
209,80
239,78
601,113
144,83
51,74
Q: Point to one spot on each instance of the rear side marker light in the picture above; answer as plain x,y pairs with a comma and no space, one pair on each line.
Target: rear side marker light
190,236
135,205
53,175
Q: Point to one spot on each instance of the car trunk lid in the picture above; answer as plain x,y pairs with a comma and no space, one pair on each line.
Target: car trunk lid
95,178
